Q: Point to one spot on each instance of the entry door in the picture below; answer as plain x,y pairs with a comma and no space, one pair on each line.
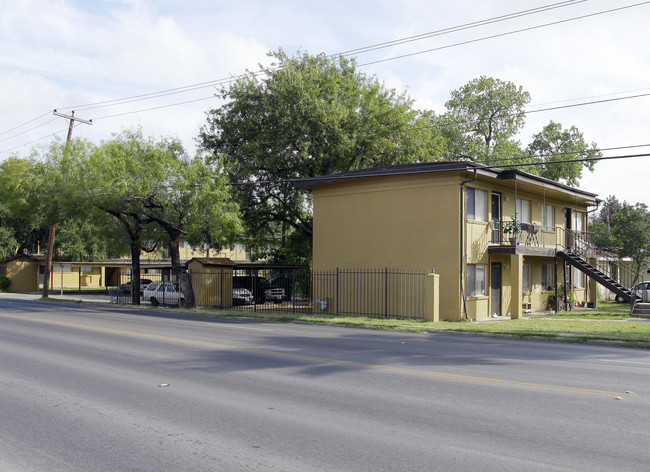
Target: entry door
496,217
495,288
568,217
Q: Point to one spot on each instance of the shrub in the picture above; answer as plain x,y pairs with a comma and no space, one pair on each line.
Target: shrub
4,283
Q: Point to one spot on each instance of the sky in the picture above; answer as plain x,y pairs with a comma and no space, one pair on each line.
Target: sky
157,64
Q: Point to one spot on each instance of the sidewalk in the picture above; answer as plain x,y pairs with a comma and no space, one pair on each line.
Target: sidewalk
94,298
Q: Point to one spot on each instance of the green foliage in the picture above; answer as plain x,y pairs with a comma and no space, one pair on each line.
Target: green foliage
554,144
625,229
4,283
482,119
303,117
513,226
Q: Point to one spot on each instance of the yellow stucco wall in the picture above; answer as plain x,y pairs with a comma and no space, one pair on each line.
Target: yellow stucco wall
212,285
399,222
23,273
413,222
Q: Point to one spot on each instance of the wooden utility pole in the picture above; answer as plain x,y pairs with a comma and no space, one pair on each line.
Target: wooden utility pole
50,238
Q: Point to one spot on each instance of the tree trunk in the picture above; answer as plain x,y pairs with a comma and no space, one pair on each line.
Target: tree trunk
135,271
184,280
48,262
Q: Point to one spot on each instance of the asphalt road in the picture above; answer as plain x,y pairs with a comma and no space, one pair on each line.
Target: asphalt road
103,388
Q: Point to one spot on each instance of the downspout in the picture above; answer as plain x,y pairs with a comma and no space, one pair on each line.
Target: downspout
463,187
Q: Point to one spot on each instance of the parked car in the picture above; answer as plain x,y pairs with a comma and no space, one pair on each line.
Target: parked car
163,293
260,287
241,296
642,290
125,289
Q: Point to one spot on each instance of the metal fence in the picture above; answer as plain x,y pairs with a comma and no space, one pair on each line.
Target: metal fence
377,293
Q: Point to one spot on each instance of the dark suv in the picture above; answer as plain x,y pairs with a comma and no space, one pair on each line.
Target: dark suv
260,287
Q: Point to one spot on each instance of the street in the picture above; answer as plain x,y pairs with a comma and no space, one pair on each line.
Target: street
104,388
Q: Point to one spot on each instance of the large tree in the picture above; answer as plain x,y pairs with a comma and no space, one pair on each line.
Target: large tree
193,203
307,116
158,194
562,154
482,120
625,229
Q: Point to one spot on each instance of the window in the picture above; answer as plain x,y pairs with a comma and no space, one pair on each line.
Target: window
526,278
476,204
476,280
578,279
86,269
58,268
523,210
548,216
578,221
238,247
547,277
185,245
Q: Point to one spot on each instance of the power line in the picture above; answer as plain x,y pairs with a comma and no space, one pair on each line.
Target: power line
358,175
499,35
198,86
462,27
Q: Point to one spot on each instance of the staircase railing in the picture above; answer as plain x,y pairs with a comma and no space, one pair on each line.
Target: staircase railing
580,243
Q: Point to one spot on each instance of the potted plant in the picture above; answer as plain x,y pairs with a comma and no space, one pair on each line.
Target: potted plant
513,229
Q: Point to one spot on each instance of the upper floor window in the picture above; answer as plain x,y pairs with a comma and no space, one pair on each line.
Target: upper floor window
523,210
548,216
185,245
578,221
476,204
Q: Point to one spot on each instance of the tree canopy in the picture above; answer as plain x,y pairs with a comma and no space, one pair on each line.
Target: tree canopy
625,229
307,116
483,120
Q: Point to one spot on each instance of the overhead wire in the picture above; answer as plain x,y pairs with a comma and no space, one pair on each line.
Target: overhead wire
201,85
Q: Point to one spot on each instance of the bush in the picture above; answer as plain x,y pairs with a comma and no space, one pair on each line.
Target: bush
4,283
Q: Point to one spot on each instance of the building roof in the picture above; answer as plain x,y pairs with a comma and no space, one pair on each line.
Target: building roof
213,261
23,256
442,166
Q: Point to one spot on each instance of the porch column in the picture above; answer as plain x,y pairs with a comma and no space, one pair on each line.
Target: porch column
432,287
516,285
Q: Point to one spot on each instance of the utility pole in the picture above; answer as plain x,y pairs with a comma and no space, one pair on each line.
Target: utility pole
50,238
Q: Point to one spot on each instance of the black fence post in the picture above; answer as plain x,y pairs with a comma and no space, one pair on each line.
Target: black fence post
386,293
337,291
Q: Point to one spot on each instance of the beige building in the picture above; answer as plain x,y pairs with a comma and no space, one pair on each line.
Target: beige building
453,218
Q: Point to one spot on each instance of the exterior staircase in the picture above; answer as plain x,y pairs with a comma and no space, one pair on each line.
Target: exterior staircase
600,277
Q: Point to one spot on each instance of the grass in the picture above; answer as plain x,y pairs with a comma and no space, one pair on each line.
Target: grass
611,322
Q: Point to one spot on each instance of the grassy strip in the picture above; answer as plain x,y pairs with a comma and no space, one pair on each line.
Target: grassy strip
611,322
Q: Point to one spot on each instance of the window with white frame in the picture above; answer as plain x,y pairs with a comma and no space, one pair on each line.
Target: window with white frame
578,221
476,280
526,278
523,210
548,216
547,277
185,245
476,204
578,278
